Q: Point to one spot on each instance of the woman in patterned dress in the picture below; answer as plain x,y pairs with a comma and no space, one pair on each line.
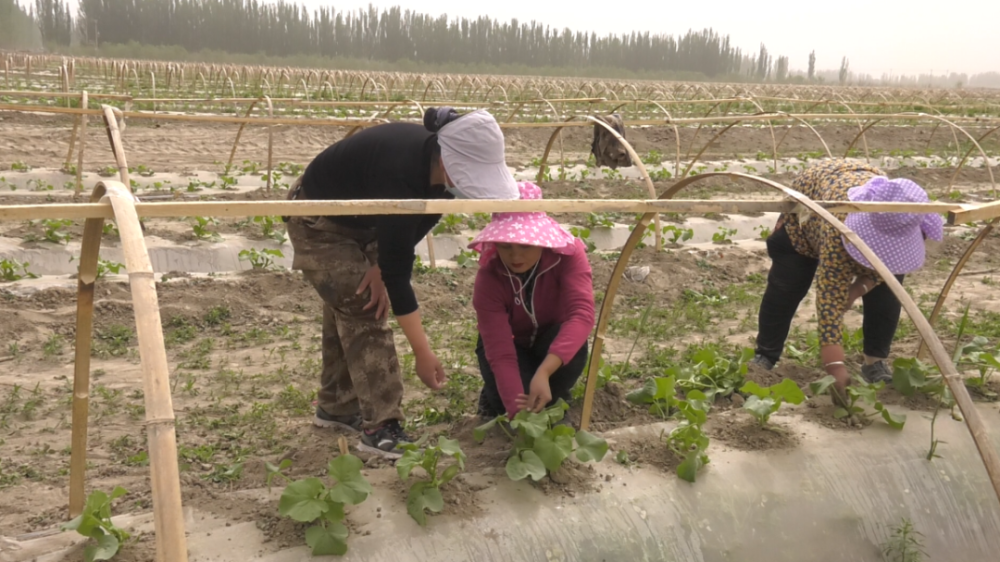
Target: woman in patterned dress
812,249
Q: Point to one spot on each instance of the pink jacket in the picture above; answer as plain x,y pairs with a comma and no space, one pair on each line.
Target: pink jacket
563,294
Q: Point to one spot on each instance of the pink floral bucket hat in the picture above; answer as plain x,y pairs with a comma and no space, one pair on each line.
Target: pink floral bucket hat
896,238
527,228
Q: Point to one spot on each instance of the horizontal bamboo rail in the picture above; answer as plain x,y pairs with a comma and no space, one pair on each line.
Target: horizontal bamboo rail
453,206
987,211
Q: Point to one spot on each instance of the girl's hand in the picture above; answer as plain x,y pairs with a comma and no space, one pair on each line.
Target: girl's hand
540,394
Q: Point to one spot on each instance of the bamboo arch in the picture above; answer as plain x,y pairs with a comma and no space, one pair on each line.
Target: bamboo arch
171,542
941,357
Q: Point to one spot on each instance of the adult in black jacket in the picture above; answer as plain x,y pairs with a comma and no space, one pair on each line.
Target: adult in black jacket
361,265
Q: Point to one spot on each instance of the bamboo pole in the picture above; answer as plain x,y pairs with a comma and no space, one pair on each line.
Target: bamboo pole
86,276
446,206
941,357
72,140
160,423
430,250
239,134
270,144
976,213
83,144
115,137
955,272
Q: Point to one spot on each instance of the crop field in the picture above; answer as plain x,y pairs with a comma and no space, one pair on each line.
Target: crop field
243,332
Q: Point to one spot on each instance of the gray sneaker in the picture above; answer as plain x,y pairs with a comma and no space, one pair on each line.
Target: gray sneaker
877,372
350,423
383,441
762,362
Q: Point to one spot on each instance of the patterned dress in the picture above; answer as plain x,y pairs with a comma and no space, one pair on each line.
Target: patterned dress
829,181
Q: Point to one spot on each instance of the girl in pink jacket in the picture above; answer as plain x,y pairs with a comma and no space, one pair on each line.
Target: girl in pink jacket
534,302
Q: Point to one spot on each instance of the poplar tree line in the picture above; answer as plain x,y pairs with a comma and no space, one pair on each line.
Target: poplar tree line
389,34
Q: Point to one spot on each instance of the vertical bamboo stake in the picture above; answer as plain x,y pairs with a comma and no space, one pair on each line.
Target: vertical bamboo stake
270,142
87,275
168,516
83,143
6,71
72,142
430,250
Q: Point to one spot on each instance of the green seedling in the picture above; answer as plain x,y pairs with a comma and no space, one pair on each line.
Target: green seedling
425,495
687,441
201,230
107,171
860,391
659,393
95,523
764,401
712,373
105,267
653,158
910,376
227,182
724,235
765,231
985,359
905,544
261,259
53,230
583,234
268,228
19,166
310,500
466,259
599,220
13,270
450,224
541,444
678,234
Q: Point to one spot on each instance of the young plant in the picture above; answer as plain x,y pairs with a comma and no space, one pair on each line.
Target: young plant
267,226
425,495
13,270
583,234
95,523
724,235
678,234
910,376
260,259
687,441
541,444
105,267
985,359
310,500
201,230
712,373
764,401
904,545
53,230
859,391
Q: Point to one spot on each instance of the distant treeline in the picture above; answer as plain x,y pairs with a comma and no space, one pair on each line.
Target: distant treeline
285,29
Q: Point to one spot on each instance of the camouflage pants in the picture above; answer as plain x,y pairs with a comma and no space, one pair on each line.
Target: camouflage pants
360,368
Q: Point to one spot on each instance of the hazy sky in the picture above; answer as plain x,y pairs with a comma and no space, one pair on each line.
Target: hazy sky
878,36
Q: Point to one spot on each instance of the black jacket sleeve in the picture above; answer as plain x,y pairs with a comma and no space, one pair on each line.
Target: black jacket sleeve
397,237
